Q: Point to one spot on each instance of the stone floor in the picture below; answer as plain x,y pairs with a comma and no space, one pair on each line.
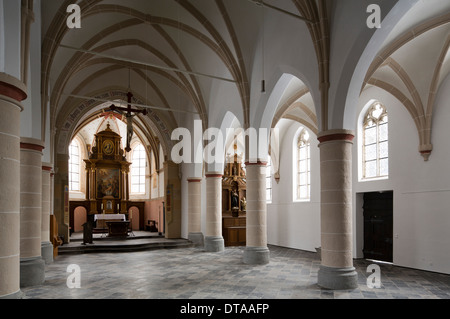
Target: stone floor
191,273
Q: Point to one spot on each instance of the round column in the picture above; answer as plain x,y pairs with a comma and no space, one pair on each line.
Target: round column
194,211
214,241
12,92
336,270
46,245
256,251
32,266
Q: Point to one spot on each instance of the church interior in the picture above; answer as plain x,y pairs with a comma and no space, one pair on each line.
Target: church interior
109,109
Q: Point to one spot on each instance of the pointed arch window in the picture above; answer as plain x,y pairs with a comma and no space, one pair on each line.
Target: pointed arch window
138,169
74,166
303,166
375,142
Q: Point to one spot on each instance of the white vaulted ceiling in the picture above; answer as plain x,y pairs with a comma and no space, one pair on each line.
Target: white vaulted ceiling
208,57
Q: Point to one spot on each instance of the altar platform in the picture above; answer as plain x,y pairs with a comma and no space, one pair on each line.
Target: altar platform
138,241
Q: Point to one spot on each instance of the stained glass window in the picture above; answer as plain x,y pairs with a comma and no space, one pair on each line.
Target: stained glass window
376,145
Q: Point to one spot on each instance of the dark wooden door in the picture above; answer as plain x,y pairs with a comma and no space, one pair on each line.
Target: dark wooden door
378,226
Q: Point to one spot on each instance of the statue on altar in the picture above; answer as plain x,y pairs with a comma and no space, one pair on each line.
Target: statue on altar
243,204
234,200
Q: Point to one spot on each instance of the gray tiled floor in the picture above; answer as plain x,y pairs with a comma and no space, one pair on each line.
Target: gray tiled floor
191,273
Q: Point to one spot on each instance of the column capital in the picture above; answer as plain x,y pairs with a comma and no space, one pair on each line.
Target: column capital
425,150
214,175
336,135
27,143
47,167
12,87
194,180
257,163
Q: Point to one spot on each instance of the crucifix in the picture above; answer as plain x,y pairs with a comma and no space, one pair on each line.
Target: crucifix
129,115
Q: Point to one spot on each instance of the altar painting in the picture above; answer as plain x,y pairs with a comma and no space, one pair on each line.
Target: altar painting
108,183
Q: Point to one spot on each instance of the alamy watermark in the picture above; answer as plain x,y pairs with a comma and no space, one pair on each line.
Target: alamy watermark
191,149
374,19
74,279
74,19
374,280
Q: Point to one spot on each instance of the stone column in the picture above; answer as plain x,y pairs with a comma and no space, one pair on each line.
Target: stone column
12,92
46,245
194,211
256,252
60,182
214,241
172,200
32,266
336,270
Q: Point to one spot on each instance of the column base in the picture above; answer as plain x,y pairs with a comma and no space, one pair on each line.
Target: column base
16,295
32,272
337,278
256,255
47,252
214,243
197,239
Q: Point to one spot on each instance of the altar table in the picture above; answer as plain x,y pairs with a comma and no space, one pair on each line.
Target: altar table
118,228
103,218
121,217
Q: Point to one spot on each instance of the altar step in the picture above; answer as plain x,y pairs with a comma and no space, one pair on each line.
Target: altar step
129,244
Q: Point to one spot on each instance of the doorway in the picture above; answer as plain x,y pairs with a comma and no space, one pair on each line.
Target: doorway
378,226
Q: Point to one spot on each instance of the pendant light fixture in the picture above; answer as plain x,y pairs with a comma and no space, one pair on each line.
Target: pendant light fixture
263,81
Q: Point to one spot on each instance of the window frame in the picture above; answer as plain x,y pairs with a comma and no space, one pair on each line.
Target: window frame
74,160
142,170
375,122
303,142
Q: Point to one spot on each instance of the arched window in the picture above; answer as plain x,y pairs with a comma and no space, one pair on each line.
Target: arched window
138,168
375,142
74,166
269,181
303,166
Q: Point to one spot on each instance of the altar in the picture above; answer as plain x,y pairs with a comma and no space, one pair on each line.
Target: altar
102,219
118,228
110,217
107,180
107,187
234,203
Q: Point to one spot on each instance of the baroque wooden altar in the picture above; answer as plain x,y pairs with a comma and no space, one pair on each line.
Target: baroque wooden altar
234,203
107,175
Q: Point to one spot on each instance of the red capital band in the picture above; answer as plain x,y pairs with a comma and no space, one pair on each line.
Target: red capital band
336,137
12,92
33,147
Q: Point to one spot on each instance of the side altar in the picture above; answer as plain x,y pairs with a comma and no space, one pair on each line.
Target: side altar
234,203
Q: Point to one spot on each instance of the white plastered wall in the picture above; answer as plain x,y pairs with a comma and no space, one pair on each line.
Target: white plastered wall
421,189
292,223
30,118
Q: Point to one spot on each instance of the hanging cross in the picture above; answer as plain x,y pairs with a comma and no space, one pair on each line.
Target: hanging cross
129,117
